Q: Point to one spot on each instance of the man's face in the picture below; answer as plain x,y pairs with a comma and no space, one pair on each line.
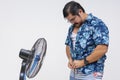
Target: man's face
74,19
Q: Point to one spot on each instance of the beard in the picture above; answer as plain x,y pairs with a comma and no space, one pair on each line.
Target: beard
77,24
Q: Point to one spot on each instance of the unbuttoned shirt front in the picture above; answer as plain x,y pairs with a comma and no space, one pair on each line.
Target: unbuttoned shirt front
91,33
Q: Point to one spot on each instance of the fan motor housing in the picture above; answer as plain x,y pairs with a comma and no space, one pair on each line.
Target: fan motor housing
25,54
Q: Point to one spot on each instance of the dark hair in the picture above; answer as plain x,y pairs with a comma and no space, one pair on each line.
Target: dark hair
73,8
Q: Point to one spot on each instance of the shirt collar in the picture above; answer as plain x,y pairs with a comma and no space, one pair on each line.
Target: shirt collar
89,17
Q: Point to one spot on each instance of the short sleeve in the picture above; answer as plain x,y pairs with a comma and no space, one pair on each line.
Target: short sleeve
67,42
101,34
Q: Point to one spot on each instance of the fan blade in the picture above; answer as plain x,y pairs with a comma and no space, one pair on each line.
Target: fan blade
39,52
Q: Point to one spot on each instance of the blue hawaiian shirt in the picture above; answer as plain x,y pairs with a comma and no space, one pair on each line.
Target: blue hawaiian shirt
91,33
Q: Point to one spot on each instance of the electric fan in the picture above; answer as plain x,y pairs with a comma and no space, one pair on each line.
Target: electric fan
32,59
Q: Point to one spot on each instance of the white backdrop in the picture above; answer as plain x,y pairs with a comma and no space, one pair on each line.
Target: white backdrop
22,22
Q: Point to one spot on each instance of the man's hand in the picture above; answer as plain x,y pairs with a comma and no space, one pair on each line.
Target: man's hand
75,64
78,63
70,64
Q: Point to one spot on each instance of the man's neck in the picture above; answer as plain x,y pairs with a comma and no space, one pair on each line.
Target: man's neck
85,16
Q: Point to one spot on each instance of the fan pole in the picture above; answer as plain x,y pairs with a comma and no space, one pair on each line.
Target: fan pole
22,73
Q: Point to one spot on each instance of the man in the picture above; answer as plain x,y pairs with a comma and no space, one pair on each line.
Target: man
86,44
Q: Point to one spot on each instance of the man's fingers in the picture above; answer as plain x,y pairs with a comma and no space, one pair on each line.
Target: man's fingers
70,66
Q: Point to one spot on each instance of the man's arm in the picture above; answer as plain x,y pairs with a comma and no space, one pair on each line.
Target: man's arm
99,51
70,61
68,53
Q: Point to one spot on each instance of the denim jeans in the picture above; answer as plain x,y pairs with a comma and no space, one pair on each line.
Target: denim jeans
75,75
